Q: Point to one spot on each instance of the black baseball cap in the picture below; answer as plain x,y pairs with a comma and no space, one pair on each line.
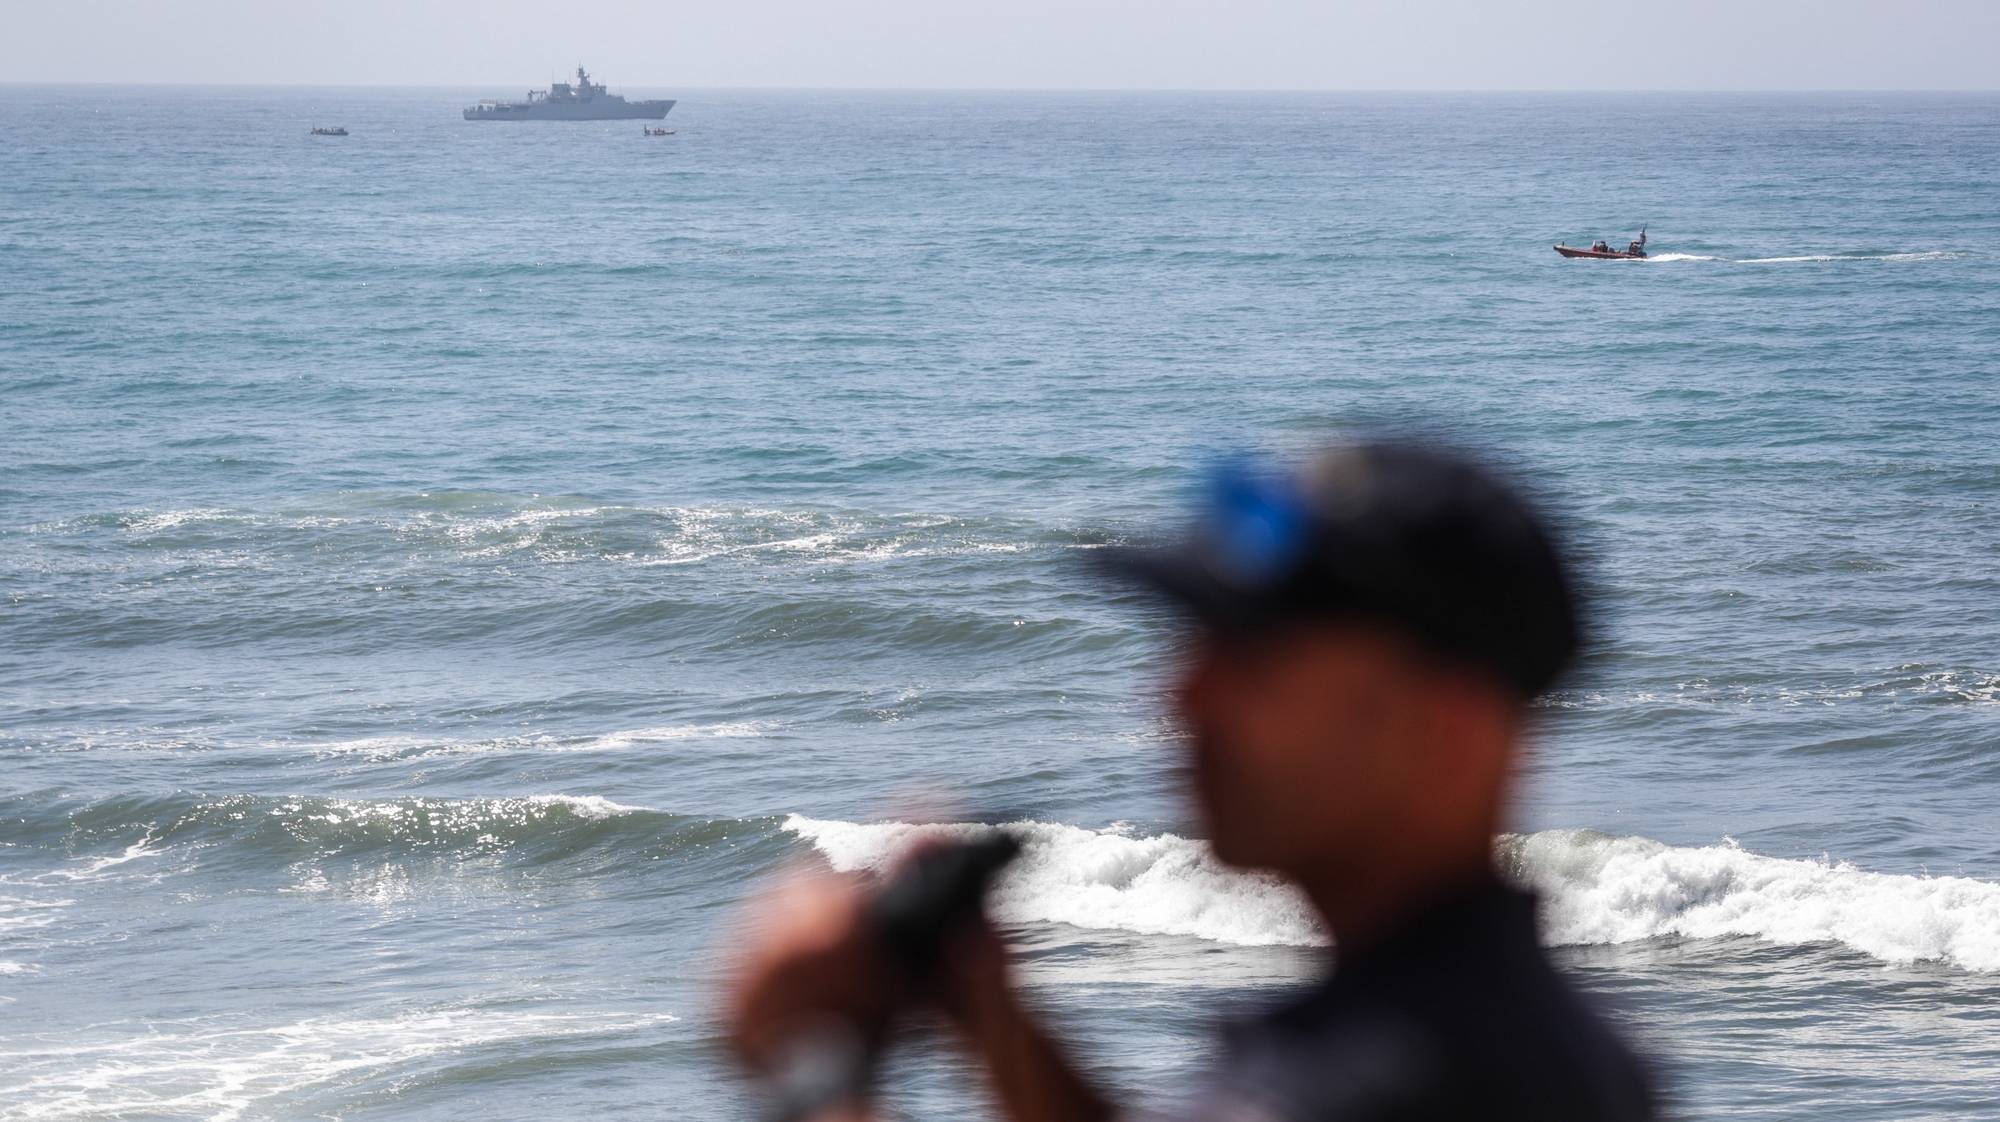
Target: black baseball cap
1411,535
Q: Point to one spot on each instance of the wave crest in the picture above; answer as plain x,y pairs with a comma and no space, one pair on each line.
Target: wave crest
262,829
1596,888
1603,889
1103,879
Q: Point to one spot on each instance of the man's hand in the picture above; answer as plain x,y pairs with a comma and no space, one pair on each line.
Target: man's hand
810,965
813,973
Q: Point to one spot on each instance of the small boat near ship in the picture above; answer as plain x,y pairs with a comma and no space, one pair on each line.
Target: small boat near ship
1602,250
334,131
649,131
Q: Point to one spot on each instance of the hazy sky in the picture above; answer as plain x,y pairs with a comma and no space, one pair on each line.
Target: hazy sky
1175,44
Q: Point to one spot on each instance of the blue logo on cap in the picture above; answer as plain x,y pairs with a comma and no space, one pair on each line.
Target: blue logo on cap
1257,525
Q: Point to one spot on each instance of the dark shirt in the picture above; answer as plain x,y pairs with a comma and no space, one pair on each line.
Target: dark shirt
1459,1015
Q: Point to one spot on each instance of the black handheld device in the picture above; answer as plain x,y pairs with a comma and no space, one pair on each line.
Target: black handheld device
911,914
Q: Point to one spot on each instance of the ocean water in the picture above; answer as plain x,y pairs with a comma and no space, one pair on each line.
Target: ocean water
441,569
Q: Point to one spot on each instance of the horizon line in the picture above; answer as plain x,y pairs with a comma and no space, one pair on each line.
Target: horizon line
11,82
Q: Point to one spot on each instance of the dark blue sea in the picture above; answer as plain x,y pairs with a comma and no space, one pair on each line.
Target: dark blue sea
443,568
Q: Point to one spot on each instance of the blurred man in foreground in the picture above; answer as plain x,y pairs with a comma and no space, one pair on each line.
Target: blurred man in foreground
1369,633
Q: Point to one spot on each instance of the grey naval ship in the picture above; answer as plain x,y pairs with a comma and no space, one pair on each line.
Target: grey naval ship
584,101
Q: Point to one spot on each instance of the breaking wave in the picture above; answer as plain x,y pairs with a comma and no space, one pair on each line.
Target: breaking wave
1604,889
1161,885
1597,889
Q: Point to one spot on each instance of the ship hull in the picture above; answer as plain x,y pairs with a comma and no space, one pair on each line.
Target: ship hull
591,111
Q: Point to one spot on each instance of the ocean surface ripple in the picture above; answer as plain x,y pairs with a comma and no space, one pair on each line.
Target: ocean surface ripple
442,569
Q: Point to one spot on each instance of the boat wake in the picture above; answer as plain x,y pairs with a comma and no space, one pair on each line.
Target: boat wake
1926,255
1811,258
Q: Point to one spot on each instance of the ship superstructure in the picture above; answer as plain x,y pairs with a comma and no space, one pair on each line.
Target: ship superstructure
583,100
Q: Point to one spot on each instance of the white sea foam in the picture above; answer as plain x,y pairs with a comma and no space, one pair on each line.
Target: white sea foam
725,730
157,521
533,519
1809,258
19,913
1105,879
1961,685
589,806
1613,890
395,748
821,537
496,535
1596,888
1926,255
1910,681
385,747
93,867
553,531
218,1071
